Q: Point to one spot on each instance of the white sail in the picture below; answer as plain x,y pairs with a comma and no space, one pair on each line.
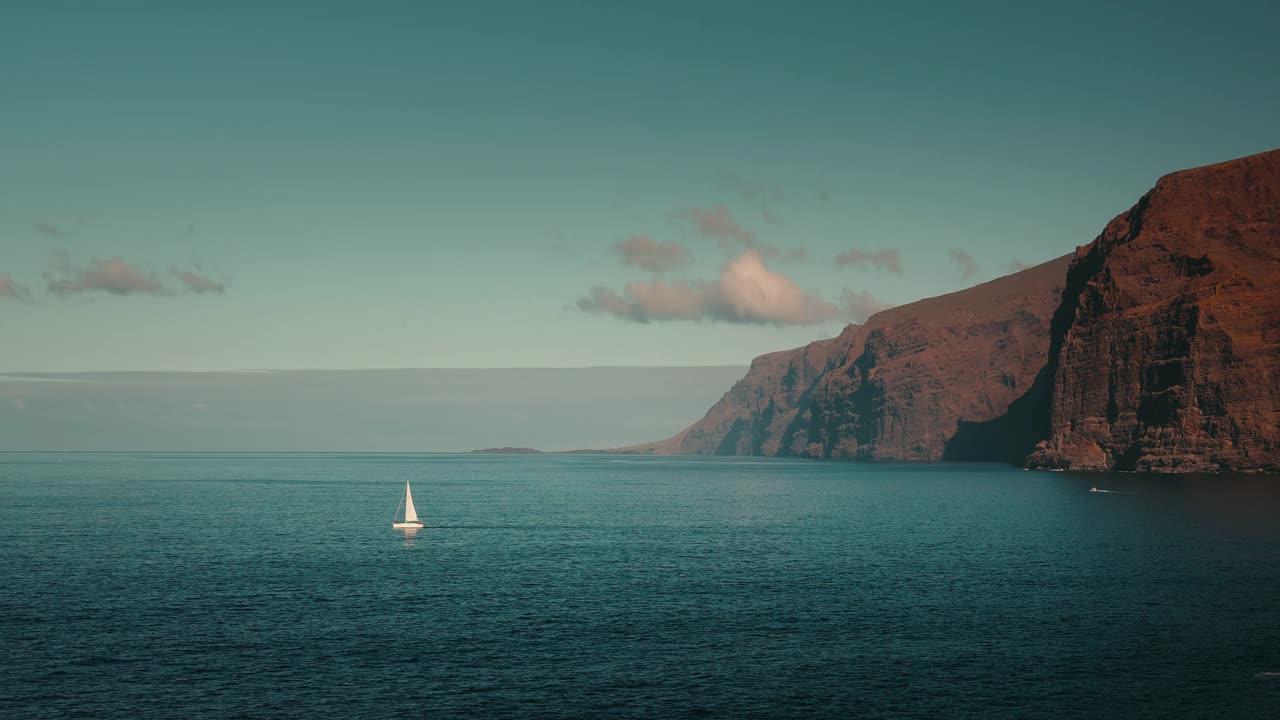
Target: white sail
410,514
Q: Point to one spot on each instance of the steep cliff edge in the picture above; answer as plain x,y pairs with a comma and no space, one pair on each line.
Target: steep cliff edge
917,382
1166,349
1155,348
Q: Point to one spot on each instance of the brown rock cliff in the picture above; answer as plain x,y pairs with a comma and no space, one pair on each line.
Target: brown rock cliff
1158,350
1166,349
926,381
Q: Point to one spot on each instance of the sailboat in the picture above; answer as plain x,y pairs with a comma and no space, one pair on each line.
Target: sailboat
411,521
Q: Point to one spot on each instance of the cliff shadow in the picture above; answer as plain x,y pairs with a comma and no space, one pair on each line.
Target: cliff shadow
1012,436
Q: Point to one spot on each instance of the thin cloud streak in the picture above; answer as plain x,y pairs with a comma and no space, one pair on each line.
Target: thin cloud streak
746,189
116,276
718,223
113,276
197,283
652,255
51,230
966,262
885,259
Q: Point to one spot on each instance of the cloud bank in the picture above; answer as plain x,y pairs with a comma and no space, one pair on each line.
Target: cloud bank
652,255
885,259
746,292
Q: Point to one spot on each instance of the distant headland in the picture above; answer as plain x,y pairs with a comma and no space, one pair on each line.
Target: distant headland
504,450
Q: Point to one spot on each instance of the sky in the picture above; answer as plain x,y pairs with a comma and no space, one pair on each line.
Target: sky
405,410
217,186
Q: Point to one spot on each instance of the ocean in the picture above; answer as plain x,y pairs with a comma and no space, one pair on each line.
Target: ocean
143,585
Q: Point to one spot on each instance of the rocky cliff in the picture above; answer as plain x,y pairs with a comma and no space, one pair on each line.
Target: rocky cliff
1166,349
931,380
1156,347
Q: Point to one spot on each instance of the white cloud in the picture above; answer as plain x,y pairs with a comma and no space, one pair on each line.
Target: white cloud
747,292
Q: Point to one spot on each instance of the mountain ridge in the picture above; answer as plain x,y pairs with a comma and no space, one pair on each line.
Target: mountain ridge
795,402
1134,352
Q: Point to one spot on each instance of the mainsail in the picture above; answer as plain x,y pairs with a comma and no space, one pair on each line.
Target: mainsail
410,514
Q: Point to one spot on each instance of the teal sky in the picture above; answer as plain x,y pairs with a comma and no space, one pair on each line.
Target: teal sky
438,185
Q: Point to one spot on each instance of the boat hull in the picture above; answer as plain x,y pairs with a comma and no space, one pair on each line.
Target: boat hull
406,526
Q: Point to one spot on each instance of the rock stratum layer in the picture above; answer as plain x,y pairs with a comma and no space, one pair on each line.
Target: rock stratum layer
915,383
1166,349
1156,347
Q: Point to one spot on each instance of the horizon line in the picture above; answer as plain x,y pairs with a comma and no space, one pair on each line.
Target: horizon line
251,371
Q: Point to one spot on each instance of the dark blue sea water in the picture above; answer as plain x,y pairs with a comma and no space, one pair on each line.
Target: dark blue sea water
272,586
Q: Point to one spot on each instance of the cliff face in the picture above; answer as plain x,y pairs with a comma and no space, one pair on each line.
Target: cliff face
931,380
1157,350
1166,349
751,418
